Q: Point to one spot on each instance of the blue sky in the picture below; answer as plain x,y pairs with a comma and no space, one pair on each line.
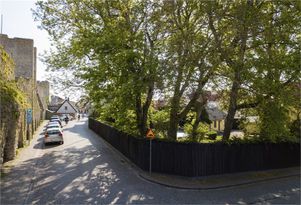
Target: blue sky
18,22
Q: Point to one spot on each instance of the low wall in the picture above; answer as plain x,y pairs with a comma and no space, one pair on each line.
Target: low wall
194,159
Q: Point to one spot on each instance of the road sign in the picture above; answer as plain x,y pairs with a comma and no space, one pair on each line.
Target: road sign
29,116
150,134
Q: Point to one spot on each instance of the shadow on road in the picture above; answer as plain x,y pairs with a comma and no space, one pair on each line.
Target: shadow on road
74,175
82,174
70,177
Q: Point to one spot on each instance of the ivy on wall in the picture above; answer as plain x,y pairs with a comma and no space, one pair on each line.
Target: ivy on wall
9,91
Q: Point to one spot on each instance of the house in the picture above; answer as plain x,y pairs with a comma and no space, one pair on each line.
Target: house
217,117
67,107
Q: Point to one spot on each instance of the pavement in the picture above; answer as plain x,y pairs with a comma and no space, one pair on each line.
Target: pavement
220,181
26,152
87,170
213,181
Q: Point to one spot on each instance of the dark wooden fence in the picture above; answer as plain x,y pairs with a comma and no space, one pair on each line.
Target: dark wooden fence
193,159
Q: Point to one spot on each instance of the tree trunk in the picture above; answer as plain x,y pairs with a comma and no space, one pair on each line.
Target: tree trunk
173,124
197,121
174,118
237,68
139,115
145,109
231,109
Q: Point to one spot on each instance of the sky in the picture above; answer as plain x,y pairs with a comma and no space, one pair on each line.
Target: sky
18,22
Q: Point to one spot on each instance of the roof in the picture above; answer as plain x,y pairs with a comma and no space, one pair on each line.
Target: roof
53,108
55,100
67,101
215,113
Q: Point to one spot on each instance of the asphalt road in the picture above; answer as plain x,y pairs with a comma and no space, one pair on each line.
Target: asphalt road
85,170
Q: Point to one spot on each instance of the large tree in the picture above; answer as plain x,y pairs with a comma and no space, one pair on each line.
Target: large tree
188,57
252,37
121,52
112,46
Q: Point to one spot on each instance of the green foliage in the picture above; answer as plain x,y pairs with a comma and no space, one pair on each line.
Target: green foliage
160,122
112,52
250,128
212,135
118,117
10,93
245,140
7,65
122,52
11,96
274,123
201,130
205,117
218,139
295,129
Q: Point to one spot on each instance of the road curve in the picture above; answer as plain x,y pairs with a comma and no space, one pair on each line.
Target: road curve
85,170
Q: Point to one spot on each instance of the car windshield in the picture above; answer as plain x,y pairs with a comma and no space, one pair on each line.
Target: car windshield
53,132
53,125
54,121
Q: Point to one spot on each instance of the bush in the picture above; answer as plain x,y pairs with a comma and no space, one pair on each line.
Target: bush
212,135
160,122
295,128
201,130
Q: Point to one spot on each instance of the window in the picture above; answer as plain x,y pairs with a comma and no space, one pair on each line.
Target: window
214,124
66,108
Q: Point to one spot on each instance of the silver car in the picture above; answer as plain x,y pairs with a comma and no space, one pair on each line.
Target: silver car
53,135
56,120
49,126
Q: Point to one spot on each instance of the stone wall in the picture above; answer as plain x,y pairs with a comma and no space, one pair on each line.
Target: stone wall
43,93
22,52
15,132
24,55
26,85
12,103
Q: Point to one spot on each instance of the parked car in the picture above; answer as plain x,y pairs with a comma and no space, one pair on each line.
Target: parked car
52,125
53,122
56,120
53,135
